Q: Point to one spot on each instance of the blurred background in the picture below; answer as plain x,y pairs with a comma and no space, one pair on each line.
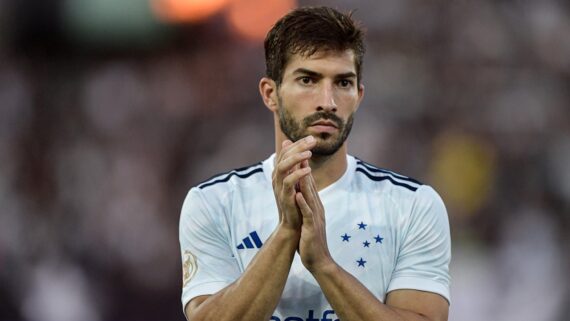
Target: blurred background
111,110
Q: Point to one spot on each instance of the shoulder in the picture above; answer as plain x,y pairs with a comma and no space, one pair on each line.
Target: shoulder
213,194
397,187
386,179
216,190
403,192
234,177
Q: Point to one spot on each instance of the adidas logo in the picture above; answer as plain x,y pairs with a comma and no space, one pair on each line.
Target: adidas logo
247,242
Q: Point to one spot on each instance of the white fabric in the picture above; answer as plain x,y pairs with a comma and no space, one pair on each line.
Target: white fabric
404,223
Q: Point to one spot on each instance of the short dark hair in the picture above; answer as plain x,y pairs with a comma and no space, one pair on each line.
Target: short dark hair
308,30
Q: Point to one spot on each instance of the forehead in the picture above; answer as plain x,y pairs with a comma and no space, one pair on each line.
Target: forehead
323,61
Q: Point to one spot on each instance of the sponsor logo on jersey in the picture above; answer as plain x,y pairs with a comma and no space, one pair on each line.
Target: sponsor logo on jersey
189,267
250,242
328,315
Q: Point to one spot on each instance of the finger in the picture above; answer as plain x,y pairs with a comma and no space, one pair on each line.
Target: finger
286,143
291,180
304,183
284,147
304,164
310,192
299,146
309,199
304,207
318,203
287,159
305,160
292,162
290,148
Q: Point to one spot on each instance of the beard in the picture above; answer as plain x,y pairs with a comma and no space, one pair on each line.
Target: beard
327,144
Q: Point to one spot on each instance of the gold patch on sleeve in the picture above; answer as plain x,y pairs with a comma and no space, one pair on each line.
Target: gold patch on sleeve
189,267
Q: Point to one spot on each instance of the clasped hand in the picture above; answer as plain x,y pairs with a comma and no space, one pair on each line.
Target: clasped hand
298,202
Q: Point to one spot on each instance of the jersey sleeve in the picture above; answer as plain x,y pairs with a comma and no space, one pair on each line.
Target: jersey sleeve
425,248
207,259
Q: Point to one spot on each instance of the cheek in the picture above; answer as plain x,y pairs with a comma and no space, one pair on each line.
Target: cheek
305,92
300,100
347,102
350,97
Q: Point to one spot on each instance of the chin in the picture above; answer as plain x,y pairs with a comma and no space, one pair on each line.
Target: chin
325,152
326,149
324,136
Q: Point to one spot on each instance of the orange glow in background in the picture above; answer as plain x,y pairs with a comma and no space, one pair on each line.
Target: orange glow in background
250,19
187,10
253,18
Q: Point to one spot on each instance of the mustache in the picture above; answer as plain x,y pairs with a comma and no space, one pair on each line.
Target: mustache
325,116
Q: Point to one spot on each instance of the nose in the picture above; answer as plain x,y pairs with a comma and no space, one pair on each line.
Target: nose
326,100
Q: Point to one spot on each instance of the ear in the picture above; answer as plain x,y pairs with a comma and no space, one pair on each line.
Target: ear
360,94
268,91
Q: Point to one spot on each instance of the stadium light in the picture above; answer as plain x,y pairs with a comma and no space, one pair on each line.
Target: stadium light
252,19
179,11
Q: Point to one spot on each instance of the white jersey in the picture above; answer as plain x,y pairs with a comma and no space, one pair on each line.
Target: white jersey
389,231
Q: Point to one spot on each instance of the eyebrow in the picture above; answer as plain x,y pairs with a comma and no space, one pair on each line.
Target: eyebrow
308,72
349,74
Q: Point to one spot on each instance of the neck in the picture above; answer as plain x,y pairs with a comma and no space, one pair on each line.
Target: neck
328,169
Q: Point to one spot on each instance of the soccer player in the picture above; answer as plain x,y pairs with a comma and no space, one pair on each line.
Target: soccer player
312,233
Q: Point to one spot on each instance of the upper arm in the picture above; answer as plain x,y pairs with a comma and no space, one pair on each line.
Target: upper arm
424,252
207,257
427,304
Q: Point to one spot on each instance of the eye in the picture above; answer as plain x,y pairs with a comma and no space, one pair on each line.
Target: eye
306,80
345,83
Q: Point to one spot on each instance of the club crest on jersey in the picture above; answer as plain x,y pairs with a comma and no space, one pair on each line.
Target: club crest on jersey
189,267
362,238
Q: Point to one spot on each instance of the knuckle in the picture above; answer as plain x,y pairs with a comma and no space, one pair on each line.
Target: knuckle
288,182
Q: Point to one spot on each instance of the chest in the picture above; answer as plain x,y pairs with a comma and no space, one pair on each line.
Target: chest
363,232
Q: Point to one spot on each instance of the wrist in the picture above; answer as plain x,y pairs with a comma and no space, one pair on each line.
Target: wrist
287,229
326,268
286,234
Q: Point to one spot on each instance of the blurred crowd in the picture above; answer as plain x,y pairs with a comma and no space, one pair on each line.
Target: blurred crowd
99,146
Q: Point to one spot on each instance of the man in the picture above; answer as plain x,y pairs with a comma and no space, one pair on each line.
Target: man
313,233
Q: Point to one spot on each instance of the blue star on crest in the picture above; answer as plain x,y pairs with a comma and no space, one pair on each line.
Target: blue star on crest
362,226
345,237
366,243
361,262
378,239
